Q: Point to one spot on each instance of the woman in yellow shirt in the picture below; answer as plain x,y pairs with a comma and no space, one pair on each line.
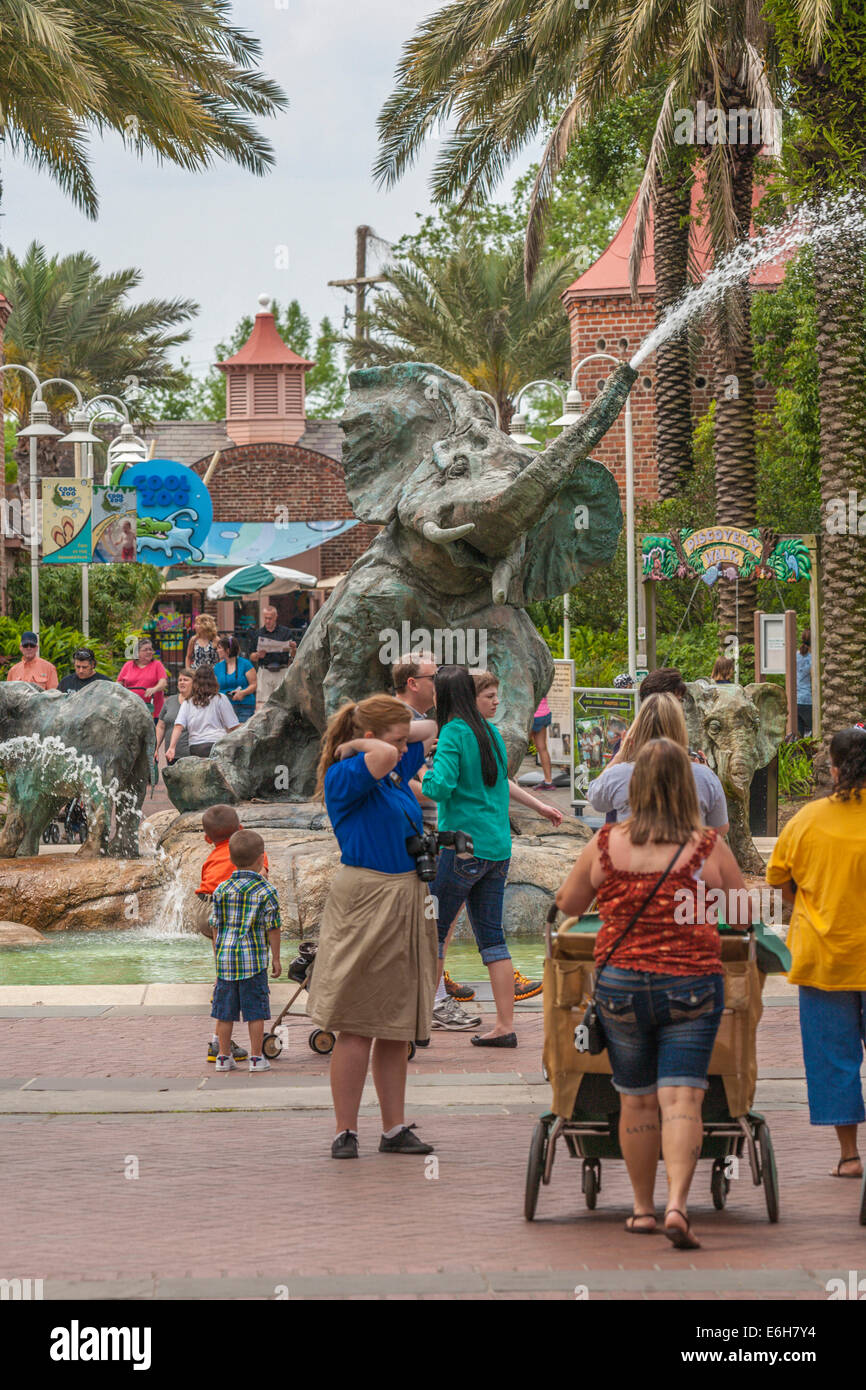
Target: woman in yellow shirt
819,863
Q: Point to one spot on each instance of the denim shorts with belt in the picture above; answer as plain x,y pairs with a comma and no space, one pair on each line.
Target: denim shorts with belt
479,885
659,1029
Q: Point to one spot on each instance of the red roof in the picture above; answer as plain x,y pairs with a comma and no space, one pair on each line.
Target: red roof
265,348
608,276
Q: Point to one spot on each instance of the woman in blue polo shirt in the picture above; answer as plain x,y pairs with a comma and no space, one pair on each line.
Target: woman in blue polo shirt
236,677
376,964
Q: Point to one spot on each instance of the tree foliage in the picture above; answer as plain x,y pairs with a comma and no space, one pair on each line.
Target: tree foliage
120,597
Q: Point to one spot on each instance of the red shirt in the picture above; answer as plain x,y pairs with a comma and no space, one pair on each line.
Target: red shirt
140,678
218,867
657,942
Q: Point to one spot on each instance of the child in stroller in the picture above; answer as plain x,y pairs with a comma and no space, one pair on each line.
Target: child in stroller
73,818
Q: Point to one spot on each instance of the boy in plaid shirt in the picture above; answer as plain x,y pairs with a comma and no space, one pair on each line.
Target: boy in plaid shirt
245,918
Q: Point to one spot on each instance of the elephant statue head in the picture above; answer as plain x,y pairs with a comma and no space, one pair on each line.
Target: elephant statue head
423,452
739,729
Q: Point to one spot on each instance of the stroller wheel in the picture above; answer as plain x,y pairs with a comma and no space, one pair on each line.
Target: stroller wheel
534,1169
321,1041
591,1181
769,1177
271,1046
412,1050
719,1184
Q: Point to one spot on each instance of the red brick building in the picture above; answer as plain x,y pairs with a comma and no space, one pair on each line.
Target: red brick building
604,318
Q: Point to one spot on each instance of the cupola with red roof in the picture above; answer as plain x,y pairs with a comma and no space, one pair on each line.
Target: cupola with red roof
265,386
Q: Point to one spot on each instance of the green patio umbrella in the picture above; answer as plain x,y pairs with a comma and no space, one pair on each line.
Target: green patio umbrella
252,578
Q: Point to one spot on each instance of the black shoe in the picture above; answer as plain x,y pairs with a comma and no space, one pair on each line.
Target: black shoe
499,1040
345,1145
404,1143
422,1042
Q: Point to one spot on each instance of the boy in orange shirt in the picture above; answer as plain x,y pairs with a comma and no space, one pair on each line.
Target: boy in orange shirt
219,823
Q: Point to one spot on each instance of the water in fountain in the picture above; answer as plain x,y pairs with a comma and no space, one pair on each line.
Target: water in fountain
812,224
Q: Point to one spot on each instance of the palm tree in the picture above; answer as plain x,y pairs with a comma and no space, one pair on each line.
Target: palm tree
818,41
469,312
69,319
174,78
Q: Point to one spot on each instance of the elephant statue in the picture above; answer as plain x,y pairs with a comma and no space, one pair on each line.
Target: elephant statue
475,526
739,729
97,744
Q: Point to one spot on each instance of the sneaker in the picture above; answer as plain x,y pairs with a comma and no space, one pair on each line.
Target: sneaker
240,1054
404,1143
450,1016
345,1145
462,993
259,1064
226,1064
545,786
525,989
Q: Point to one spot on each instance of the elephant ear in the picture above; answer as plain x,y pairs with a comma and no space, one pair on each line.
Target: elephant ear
394,418
771,703
576,534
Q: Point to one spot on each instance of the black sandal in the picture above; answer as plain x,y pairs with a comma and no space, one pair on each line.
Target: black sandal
681,1240
855,1158
634,1230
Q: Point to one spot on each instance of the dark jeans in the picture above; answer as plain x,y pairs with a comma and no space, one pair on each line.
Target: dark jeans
659,1029
804,719
200,750
480,885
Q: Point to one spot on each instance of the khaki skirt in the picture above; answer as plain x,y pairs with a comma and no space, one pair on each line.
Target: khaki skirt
377,961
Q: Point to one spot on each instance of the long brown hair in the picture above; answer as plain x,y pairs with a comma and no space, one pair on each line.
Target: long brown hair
377,713
204,687
662,795
660,716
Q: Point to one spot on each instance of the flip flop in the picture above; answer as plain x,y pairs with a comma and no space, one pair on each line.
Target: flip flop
634,1230
837,1172
679,1239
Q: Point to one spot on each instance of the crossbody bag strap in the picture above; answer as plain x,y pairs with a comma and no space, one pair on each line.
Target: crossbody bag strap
644,905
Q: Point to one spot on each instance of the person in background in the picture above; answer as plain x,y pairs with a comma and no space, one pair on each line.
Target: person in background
145,676
201,647
660,987
541,721
206,715
819,862
169,712
32,668
723,670
236,677
804,683
83,672
375,971
667,680
413,681
660,716
271,666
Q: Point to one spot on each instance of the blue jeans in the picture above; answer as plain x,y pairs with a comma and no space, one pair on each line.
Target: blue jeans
480,885
249,996
833,1029
659,1029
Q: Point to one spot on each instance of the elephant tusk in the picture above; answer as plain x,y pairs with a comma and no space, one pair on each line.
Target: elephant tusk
431,532
502,577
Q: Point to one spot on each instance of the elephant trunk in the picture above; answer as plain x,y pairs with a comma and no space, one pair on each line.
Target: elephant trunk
525,501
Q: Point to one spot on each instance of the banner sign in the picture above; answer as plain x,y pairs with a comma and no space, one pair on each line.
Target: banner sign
725,552
560,735
113,525
66,521
601,717
174,512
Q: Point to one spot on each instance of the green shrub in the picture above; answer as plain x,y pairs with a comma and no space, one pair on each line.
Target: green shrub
56,644
796,772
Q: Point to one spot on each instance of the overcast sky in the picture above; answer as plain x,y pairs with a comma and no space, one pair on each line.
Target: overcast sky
212,236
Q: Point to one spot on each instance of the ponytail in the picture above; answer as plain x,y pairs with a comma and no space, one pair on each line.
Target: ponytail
378,713
848,756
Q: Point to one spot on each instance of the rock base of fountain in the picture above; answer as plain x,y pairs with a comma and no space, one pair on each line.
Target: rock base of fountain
303,856
65,892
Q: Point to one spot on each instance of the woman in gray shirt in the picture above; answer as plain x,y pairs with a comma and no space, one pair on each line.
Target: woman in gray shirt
660,716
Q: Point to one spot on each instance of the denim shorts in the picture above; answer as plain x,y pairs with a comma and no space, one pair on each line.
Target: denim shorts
250,996
659,1029
479,884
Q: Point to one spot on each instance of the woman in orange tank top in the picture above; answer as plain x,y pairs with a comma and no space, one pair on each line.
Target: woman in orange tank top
660,996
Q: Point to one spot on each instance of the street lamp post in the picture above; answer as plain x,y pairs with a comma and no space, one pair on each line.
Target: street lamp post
519,430
570,415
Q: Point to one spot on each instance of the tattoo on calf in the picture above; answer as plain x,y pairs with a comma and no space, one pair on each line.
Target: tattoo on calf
641,1129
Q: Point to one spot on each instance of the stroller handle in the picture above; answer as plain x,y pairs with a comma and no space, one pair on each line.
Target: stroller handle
553,913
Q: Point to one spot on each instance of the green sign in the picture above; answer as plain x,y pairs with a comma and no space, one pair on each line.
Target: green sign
594,703
726,552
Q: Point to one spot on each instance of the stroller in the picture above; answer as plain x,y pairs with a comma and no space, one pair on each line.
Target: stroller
300,972
73,819
585,1111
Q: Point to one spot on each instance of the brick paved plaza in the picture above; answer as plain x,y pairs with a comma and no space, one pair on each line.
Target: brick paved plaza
89,1089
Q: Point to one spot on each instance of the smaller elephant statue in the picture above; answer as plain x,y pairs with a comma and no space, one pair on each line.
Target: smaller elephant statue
739,729
97,744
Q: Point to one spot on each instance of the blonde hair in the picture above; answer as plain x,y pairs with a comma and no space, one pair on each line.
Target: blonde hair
483,681
660,716
662,795
205,626
377,713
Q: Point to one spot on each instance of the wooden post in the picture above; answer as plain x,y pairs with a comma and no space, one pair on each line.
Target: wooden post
791,667
649,589
759,674
815,626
